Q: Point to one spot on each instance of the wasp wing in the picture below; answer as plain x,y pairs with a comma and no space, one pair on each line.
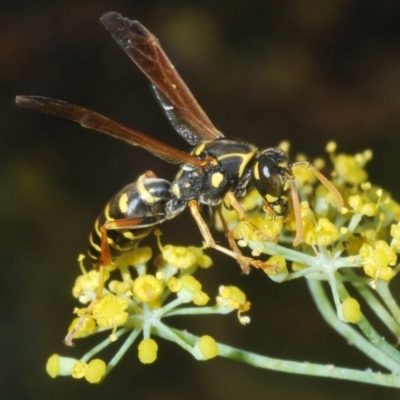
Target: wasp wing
92,120
179,104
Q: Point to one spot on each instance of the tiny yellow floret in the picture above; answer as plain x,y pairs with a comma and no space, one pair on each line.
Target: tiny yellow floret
331,147
147,351
395,231
232,296
202,260
179,256
60,366
139,256
95,371
351,168
377,261
87,282
79,369
369,209
121,287
355,202
279,262
190,283
53,365
147,288
174,284
208,347
109,311
323,234
88,327
200,298
351,310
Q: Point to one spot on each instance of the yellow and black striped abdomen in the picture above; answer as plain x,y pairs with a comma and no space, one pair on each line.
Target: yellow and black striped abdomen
139,207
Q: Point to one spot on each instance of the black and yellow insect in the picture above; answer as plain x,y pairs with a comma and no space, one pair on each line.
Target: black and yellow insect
219,169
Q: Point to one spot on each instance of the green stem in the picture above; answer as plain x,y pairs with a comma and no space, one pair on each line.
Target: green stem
347,331
168,333
304,368
383,290
373,302
368,330
378,340
122,350
92,352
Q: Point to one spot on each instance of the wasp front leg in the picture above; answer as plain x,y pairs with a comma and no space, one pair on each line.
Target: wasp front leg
244,262
232,243
233,202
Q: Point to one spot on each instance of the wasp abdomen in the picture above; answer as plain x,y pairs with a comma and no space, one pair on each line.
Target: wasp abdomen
134,211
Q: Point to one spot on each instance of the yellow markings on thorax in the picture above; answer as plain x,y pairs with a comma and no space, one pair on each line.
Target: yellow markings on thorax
270,198
286,186
216,179
278,209
176,190
246,157
123,203
199,149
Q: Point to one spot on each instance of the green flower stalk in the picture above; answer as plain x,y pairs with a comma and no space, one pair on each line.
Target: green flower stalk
354,247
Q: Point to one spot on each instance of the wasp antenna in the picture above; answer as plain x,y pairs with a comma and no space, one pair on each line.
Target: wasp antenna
328,184
297,213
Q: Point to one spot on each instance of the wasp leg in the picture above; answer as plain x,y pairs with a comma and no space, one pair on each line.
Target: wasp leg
210,242
148,174
242,214
106,260
232,243
297,212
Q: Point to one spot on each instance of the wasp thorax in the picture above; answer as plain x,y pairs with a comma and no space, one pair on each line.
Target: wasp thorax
270,177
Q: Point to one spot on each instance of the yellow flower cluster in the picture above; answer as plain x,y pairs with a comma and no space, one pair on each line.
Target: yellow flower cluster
322,233
188,289
233,297
364,237
349,169
93,372
378,259
258,227
360,206
136,303
358,230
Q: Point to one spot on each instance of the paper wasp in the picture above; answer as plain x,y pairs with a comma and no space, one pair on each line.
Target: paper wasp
219,169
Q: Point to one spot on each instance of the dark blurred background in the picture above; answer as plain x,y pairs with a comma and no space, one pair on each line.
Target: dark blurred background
306,71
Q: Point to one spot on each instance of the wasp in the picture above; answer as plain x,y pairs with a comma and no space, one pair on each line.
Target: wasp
218,170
